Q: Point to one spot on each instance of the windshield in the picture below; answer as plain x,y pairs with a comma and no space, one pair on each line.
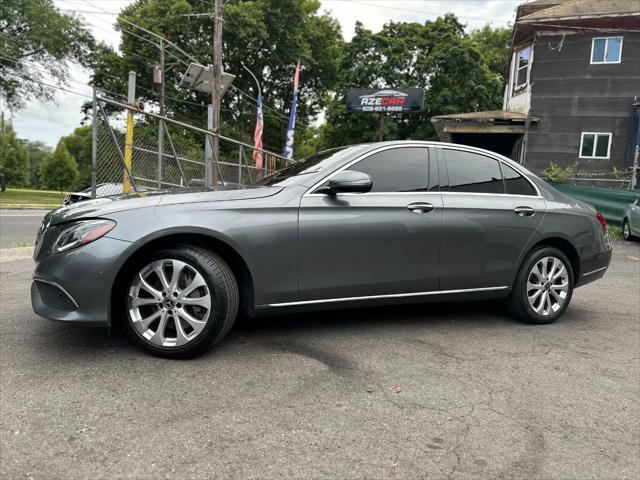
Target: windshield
313,164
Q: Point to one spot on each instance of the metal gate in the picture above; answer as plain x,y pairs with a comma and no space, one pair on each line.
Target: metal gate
182,159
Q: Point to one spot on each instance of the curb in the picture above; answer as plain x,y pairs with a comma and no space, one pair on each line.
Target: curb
17,253
28,206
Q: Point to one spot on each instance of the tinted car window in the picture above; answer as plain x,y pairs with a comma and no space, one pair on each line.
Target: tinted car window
471,172
397,170
515,183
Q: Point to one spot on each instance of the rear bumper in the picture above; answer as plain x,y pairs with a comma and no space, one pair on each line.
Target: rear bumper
75,286
594,268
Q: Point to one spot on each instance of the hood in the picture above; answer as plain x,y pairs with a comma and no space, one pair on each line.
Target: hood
105,206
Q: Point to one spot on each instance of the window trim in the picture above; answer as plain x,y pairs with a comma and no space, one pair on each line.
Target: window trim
518,88
606,49
437,149
595,143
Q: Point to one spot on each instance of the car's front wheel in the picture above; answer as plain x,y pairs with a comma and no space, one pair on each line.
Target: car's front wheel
543,287
180,301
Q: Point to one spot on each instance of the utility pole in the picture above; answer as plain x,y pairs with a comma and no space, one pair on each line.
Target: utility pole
94,144
381,128
161,122
216,84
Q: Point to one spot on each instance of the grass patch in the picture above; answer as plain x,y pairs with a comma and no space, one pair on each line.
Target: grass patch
615,233
23,244
24,197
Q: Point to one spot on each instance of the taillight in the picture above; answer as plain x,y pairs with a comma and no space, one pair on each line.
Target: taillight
602,221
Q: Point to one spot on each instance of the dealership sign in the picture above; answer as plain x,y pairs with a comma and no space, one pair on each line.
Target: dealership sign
385,100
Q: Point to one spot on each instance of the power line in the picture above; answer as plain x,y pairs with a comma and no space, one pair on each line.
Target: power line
255,100
57,87
275,114
31,68
408,10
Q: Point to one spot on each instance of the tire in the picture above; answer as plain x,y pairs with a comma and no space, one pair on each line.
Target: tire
183,315
626,230
534,271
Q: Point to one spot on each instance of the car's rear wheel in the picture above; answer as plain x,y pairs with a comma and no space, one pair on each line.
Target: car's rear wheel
180,301
626,230
543,287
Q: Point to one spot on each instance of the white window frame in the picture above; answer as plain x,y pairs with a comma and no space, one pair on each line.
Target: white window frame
595,144
606,49
517,88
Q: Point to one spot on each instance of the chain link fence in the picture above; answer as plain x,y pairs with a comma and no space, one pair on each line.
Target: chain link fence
183,162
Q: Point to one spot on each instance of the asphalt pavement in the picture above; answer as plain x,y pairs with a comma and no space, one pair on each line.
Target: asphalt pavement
19,227
430,391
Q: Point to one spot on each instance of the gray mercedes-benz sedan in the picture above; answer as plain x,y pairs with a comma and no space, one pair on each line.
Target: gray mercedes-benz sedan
374,224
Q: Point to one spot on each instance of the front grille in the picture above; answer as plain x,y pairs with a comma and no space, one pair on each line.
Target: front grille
53,297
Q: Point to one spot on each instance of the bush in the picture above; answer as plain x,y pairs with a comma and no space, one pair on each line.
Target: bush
557,174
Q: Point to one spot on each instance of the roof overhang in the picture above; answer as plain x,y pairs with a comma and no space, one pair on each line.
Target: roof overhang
491,122
526,28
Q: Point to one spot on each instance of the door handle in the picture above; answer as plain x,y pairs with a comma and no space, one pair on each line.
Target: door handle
524,211
420,207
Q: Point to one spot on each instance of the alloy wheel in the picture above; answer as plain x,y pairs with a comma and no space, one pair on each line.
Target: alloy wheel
548,286
169,303
626,230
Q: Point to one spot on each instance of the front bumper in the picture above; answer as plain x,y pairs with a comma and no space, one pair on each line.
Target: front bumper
75,286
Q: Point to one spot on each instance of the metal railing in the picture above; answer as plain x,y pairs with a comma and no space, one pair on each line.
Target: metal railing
183,161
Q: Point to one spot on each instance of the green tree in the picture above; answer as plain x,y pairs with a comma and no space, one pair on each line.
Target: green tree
79,146
436,56
37,151
59,170
14,157
494,45
36,41
269,36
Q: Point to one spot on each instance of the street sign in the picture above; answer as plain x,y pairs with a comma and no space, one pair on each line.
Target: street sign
199,77
385,100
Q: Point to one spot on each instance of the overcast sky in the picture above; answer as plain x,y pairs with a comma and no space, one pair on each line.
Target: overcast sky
49,121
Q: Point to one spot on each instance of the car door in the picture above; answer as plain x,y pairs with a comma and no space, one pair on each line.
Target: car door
490,212
384,242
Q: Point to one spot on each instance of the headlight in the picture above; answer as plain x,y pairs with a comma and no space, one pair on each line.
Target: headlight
81,233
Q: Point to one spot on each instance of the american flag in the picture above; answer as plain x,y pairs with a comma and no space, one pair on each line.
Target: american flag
257,135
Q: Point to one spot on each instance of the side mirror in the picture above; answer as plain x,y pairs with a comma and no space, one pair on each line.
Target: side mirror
349,181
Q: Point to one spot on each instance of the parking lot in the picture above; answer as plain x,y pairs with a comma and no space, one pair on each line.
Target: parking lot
439,390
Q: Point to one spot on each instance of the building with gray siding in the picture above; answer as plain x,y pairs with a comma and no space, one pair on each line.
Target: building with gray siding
571,91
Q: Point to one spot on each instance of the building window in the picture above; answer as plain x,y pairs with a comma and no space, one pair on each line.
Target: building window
521,77
606,50
595,145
